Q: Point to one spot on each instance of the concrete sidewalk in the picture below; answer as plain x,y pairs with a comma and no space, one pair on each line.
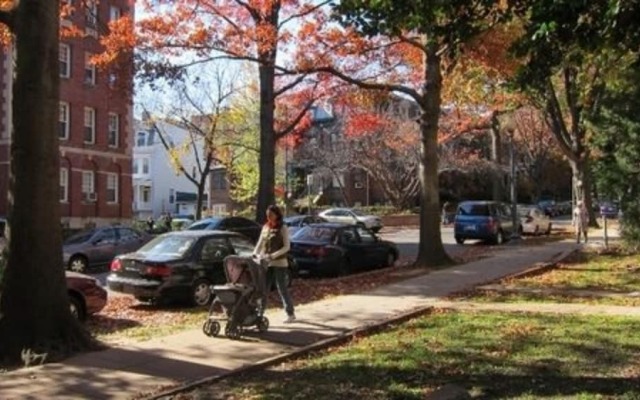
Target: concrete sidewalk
145,368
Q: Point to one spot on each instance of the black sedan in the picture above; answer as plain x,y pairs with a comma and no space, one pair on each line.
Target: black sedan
339,249
247,227
177,266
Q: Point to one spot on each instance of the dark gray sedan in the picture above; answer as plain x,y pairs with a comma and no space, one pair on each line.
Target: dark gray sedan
98,246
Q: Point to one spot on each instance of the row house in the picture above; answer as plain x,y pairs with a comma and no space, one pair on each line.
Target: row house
95,122
158,187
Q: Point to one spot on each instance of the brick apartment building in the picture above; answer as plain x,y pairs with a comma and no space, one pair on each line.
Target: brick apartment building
96,120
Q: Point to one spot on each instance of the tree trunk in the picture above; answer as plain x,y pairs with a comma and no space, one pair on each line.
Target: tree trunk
267,142
496,157
580,171
431,251
34,304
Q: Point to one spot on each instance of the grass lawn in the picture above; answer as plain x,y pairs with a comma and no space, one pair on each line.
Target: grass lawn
608,273
492,355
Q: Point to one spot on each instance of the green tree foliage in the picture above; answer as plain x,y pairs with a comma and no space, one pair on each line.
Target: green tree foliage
616,146
436,31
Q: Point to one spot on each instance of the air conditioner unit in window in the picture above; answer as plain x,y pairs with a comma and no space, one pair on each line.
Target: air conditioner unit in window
90,197
358,185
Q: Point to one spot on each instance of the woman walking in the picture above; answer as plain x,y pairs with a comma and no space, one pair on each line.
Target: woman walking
273,247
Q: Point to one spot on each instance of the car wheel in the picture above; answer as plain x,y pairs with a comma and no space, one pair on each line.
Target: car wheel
201,294
499,238
459,240
78,264
76,306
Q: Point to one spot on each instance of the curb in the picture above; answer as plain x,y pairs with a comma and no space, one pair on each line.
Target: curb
312,348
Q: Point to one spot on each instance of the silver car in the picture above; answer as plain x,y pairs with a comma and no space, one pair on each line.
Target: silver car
99,246
352,216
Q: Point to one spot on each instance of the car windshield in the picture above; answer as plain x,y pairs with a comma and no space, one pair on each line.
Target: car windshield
81,237
474,209
315,234
168,245
206,224
292,221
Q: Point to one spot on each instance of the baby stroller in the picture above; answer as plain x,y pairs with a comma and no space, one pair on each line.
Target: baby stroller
241,298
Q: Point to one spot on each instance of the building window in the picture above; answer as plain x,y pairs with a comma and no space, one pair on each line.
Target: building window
338,181
114,13
141,137
89,125
88,186
219,180
136,166
64,185
145,166
112,188
145,194
91,14
64,120
65,60
89,70
114,129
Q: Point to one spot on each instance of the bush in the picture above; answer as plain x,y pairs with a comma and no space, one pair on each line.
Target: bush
630,224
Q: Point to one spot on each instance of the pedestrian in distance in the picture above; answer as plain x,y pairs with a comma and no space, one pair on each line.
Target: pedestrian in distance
272,249
150,223
581,221
167,222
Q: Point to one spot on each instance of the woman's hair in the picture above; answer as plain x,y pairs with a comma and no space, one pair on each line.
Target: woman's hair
278,213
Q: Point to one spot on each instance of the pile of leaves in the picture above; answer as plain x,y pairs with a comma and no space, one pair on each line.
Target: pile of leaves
124,319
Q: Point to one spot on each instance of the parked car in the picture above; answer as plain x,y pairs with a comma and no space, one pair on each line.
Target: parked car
352,216
179,266
609,209
484,220
339,249
86,296
294,223
534,220
247,227
99,246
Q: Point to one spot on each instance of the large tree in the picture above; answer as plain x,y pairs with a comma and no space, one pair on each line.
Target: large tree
34,311
572,50
192,32
406,47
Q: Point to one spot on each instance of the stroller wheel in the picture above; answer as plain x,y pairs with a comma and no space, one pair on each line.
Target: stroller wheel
263,324
232,332
211,328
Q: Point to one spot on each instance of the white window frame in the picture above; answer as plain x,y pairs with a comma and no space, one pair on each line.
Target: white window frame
89,70
64,185
113,130
143,190
114,13
90,124
64,117
65,57
146,164
88,183
113,184
141,139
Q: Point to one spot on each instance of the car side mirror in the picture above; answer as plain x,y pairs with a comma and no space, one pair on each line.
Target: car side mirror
96,242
